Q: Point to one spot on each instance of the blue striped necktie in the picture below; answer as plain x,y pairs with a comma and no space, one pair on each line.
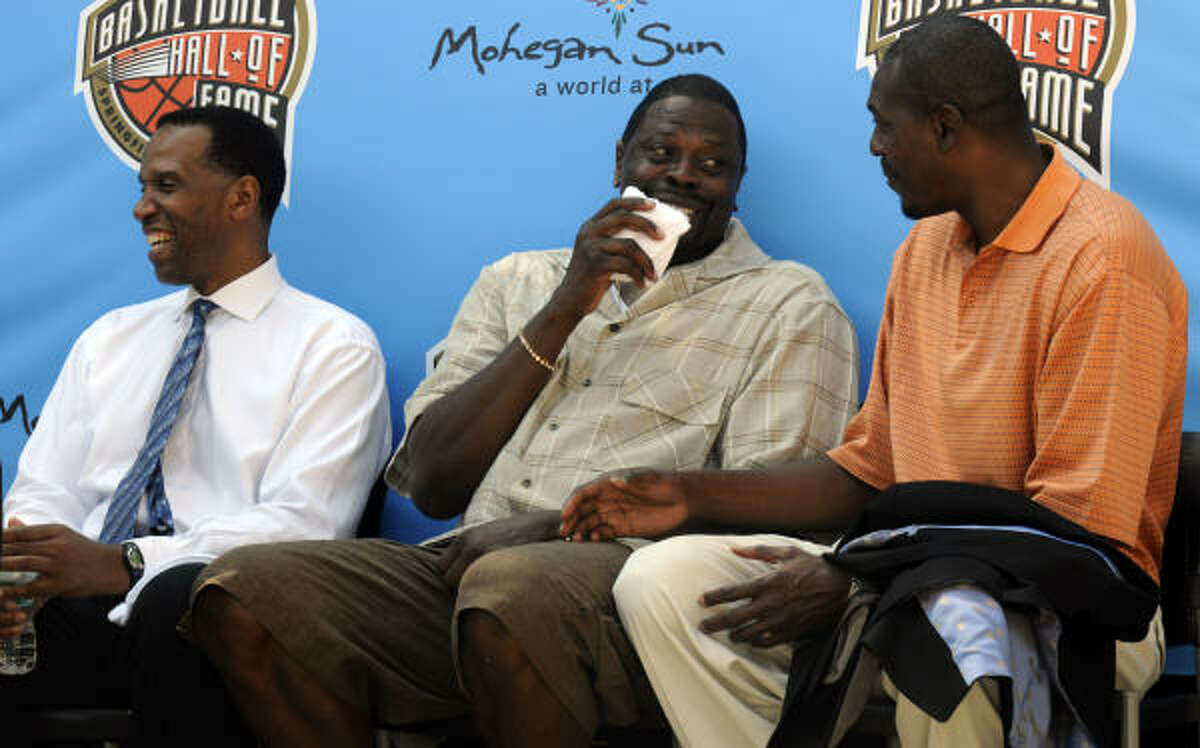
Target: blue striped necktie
145,476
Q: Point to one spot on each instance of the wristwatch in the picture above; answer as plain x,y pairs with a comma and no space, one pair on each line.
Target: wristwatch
134,563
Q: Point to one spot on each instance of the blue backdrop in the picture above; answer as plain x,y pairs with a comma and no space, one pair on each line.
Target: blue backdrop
432,138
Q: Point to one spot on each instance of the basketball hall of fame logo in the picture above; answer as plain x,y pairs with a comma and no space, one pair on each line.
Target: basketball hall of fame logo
1072,54
137,60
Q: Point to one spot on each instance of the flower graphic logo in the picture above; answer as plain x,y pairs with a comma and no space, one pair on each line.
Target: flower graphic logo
617,9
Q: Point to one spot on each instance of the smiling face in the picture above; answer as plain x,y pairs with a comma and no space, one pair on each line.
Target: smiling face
905,141
183,210
687,152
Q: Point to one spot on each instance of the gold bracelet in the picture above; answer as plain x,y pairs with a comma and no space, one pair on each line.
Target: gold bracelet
543,362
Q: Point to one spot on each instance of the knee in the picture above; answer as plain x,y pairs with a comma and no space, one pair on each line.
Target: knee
663,573
492,592
483,640
164,600
155,645
226,631
508,573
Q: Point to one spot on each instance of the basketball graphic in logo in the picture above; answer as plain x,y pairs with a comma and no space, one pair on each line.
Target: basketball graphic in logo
138,60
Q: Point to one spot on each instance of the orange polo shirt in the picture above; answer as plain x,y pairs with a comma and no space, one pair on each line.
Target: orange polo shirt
1050,363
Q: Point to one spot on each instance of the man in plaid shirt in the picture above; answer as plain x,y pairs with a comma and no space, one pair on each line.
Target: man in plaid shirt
554,372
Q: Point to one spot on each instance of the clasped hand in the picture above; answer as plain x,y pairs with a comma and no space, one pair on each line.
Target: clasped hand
68,565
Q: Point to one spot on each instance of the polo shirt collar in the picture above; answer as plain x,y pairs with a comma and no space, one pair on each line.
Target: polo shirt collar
1027,229
247,296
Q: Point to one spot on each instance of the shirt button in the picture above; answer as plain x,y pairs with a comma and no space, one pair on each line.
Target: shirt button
554,427
526,483
587,383
614,327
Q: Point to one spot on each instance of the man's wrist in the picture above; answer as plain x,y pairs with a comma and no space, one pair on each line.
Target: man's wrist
549,524
561,313
692,485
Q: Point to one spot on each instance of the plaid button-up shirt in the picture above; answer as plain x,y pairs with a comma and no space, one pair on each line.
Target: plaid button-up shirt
734,361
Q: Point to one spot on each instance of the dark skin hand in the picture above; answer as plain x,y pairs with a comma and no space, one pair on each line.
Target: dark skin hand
804,595
68,565
456,440
796,498
598,255
642,503
470,545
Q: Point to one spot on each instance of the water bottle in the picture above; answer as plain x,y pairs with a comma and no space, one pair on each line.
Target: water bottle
18,654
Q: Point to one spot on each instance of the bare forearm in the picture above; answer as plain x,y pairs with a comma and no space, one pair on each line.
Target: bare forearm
816,494
455,441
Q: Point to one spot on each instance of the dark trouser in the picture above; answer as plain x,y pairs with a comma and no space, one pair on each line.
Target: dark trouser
177,697
374,622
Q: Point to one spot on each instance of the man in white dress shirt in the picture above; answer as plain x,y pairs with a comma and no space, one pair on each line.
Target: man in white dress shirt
280,432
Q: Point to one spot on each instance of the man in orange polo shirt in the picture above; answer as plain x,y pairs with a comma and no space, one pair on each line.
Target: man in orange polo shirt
1033,339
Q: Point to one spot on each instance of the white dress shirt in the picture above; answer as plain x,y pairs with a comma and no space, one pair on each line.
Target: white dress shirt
283,429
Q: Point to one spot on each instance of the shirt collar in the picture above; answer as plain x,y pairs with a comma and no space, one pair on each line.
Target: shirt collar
246,296
1027,229
736,253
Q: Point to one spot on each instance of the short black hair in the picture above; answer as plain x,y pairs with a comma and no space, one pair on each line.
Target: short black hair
241,144
958,60
696,86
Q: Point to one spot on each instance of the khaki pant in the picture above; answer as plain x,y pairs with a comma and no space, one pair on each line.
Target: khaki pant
714,692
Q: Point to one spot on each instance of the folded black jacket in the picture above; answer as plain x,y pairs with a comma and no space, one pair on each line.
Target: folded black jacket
830,675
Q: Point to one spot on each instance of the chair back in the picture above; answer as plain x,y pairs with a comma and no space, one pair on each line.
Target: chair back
1180,580
370,524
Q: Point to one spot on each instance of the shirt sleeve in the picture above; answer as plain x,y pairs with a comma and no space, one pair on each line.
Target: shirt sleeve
46,490
801,389
477,336
320,470
1100,399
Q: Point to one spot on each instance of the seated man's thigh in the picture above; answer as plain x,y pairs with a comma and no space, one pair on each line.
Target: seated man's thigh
675,572
713,690
370,619
555,599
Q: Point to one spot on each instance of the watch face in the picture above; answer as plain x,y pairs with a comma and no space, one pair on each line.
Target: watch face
133,558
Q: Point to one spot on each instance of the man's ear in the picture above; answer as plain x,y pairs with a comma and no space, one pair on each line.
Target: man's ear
948,122
620,161
738,186
242,197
